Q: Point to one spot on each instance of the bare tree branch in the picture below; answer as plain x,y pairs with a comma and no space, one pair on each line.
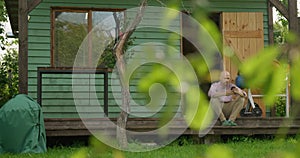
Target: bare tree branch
129,30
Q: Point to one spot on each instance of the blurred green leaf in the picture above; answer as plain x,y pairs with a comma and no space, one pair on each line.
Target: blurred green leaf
257,68
196,111
118,154
81,153
169,16
276,84
174,4
295,76
291,37
159,74
199,65
264,72
202,15
219,151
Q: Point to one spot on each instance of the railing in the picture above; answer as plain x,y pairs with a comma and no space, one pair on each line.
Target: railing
50,70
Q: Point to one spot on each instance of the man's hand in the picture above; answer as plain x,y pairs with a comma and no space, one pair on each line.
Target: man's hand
229,92
238,91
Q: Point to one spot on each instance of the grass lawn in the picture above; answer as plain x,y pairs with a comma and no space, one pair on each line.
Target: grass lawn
288,148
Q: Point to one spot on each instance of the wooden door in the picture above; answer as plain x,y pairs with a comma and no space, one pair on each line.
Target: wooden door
243,33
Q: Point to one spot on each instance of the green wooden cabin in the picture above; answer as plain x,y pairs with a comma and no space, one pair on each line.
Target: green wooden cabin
47,40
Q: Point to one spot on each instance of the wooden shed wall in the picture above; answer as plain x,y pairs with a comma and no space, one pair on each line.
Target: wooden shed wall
58,99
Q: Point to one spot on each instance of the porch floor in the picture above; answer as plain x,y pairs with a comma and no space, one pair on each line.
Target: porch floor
246,126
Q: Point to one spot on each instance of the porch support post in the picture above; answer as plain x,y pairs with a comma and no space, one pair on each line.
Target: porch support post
23,46
293,27
32,4
270,23
289,12
24,8
280,7
293,21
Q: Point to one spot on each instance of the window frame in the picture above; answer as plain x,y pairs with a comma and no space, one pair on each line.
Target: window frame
75,10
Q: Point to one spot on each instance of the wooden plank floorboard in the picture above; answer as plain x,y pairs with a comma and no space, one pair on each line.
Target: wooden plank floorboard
246,126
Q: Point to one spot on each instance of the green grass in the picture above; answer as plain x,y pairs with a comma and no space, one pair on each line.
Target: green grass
241,149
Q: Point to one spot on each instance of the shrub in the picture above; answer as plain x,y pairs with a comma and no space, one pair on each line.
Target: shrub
280,106
8,75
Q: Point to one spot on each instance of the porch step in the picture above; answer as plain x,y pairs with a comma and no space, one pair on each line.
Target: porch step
246,126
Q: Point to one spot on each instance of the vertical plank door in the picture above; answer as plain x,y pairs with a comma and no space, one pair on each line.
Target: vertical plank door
243,34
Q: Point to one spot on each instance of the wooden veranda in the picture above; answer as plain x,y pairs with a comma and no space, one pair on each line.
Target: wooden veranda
246,126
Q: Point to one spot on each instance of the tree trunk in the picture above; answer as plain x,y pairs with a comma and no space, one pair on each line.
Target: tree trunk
119,51
122,120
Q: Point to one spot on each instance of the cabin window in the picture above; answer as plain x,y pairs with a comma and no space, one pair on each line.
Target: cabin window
71,27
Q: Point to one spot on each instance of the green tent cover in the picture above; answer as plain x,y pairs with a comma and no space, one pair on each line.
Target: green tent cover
22,128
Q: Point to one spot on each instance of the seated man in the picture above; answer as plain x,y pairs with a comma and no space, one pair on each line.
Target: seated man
227,99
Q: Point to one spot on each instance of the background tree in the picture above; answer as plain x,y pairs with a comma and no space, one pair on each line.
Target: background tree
119,53
8,62
3,18
281,29
8,75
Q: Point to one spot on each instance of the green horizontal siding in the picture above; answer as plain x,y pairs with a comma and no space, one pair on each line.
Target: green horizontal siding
39,32
39,53
39,39
39,46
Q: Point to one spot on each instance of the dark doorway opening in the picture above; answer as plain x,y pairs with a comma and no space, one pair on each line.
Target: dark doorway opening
191,44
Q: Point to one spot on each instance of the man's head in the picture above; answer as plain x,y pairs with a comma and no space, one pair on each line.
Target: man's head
225,77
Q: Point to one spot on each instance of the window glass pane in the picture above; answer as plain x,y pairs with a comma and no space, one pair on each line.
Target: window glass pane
110,22
107,26
71,28
69,31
